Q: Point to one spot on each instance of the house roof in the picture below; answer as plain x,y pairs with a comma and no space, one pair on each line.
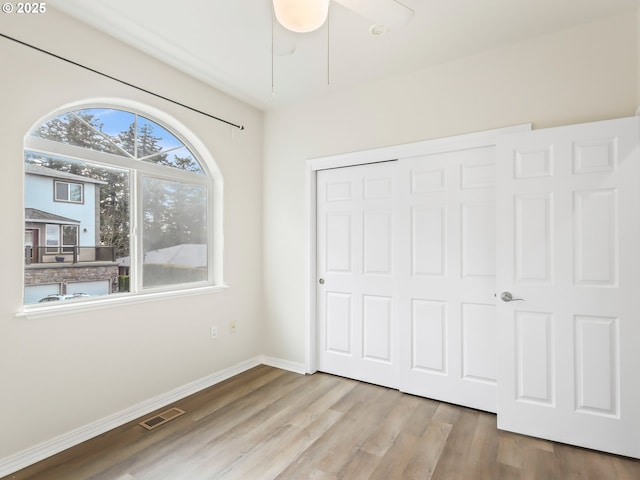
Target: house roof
184,255
39,216
33,169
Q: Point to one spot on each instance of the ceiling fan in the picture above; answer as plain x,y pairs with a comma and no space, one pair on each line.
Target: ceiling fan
302,16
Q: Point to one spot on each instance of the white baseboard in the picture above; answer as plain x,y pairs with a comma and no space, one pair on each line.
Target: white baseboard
67,440
284,364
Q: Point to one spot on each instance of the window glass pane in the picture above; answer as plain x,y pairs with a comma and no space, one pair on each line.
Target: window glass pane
114,123
113,197
53,235
175,232
82,129
75,192
120,133
159,146
52,239
69,238
164,139
99,226
62,191
69,235
180,158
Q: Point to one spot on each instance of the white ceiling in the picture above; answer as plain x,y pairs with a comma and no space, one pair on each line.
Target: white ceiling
228,43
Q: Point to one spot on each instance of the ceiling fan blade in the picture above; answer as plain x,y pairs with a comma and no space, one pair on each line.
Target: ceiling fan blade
389,13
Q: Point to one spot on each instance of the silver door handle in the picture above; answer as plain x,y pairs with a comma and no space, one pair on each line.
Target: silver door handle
321,281
507,297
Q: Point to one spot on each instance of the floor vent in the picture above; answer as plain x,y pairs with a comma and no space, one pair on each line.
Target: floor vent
161,418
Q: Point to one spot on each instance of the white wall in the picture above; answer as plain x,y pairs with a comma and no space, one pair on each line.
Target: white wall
583,74
61,373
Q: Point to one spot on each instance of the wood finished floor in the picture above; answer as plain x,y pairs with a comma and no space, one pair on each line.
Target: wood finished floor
271,424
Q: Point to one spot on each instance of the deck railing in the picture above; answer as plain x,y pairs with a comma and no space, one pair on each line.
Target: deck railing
73,255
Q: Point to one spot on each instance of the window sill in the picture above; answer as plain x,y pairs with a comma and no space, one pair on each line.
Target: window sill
42,311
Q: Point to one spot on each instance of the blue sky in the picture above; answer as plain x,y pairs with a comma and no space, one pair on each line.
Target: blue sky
116,121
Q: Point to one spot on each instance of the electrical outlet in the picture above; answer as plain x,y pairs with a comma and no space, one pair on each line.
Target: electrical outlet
233,326
214,332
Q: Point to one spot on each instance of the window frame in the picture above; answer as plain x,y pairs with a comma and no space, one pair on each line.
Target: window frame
57,183
60,246
69,247
210,177
51,248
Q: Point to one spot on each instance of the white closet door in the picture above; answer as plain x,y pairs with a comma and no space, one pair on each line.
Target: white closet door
568,244
356,265
447,277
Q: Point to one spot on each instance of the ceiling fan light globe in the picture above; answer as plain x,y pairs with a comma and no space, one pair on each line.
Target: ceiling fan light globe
301,16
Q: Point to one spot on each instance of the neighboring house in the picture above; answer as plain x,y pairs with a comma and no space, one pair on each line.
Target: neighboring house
62,236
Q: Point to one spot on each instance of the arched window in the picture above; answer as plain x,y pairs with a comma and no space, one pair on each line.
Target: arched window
116,203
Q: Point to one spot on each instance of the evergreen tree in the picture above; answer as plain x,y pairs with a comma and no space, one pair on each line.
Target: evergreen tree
185,163
81,129
148,144
114,211
127,139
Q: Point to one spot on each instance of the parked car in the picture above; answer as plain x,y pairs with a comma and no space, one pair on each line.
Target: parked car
54,297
